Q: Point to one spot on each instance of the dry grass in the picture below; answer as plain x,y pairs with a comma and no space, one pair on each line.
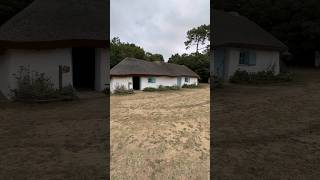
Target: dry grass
268,131
160,135
54,141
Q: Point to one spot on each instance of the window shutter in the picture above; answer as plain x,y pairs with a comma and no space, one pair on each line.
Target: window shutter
252,58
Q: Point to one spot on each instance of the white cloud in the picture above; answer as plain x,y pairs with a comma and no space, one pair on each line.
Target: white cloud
159,26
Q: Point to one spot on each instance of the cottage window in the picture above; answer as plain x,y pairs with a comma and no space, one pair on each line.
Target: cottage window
247,58
151,80
187,79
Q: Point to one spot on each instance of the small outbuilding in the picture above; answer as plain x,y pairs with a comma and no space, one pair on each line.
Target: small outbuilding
241,44
138,74
49,34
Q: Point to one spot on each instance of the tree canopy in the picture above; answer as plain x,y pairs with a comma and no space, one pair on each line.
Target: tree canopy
198,37
197,62
120,50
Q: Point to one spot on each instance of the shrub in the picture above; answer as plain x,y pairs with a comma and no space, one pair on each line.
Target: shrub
263,77
36,87
68,93
161,88
190,86
122,90
150,89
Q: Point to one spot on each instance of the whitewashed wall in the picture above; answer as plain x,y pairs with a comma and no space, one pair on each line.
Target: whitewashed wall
264,60
160,80
42,61
192,80
120,81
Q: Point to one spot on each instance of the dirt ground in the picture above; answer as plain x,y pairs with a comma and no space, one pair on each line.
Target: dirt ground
65,140
161,135
268,132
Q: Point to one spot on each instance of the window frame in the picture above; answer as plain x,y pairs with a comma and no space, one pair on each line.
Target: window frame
153,80
186,79
248,59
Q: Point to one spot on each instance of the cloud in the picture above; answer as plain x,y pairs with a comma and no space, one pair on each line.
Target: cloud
159,26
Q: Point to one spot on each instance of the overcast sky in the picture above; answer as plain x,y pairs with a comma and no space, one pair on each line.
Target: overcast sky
159,26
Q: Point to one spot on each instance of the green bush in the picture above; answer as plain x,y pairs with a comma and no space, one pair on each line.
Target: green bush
36,87
150,89
190,86
122,90
263,77
68,93
161,88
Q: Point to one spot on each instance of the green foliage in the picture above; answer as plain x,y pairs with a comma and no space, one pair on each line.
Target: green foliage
36,87
121,50
197,62
191,86
263,77
122,90
198,36
68,93
154,57
161,88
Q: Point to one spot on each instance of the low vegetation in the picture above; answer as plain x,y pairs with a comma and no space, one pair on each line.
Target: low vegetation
122,90
263,77
37,87
161,88
190,86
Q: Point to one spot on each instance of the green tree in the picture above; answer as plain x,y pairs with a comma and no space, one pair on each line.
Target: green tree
198,36
120,50
197,62
153,57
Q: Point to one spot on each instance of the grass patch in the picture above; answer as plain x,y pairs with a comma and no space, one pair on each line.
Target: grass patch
263,77
161,88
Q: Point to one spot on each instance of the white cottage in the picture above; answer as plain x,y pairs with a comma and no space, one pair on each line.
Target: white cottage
240,44
138,74
48,34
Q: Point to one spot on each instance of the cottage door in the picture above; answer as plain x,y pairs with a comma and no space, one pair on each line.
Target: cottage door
179,81
219,56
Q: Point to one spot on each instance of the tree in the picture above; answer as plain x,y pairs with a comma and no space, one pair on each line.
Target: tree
120,50
154,57
197,37
197,62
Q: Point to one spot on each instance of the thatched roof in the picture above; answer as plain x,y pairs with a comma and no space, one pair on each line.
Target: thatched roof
58,22
232,29
137,67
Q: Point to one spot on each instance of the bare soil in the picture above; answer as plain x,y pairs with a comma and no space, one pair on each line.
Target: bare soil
65,140
161,135
268,132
